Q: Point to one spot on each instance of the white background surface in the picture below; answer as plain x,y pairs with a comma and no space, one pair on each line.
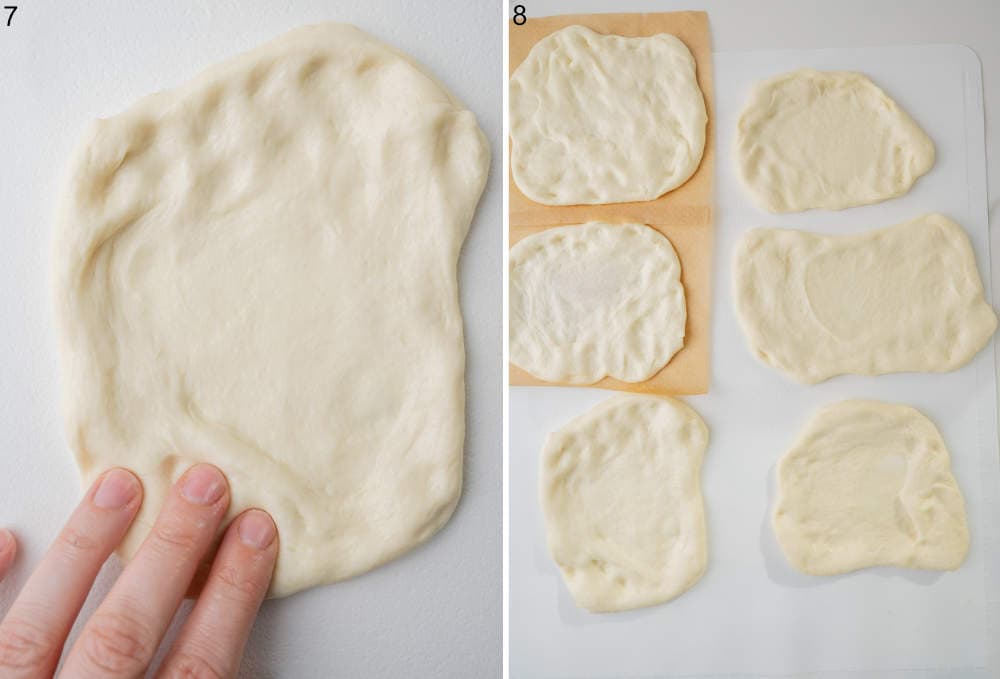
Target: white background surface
752,614
436,611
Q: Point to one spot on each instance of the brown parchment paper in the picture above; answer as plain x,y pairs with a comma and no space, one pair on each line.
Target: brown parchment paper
684,215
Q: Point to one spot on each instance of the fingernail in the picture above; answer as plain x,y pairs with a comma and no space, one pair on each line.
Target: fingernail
256,529
203,484
117,489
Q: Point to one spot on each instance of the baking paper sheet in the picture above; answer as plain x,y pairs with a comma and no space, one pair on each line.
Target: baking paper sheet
752,615
684,215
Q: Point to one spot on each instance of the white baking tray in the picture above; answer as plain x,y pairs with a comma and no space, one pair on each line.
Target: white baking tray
751,614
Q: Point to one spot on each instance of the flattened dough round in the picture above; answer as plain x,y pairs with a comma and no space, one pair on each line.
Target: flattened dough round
258,270
621,494
903,298
869,484
605,119
827,139
595,300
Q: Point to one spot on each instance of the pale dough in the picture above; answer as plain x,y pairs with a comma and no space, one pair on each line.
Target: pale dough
903,298
604,118
869,484
595,300
258,270
621,495
827,139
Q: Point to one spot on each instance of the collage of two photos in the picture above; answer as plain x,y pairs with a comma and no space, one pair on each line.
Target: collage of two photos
544,340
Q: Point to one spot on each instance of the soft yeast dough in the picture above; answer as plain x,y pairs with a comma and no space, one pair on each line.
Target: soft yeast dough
621,494
827,139
595,300
869,484
604,118
258,270
903,298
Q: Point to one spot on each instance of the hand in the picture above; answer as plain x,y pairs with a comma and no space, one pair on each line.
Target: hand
121,637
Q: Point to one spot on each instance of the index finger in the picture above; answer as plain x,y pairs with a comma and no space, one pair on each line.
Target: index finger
35,629
124,632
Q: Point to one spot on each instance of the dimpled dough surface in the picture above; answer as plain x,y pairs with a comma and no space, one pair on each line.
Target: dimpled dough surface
604,118
258,270
902,298
827,139
621,495
595,300
869,484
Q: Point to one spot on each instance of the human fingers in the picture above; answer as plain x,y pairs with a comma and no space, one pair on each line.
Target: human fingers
121,637
8,548
211,641
34,631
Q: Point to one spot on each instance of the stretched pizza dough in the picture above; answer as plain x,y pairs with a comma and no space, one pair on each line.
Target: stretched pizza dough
903,298
869,484
595,300
621,494
827,139
258,270
604,118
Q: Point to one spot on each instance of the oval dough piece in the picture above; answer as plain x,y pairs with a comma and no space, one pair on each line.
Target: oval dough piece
258,270
595,300
827,139
621,495
903,298
869,484
605,119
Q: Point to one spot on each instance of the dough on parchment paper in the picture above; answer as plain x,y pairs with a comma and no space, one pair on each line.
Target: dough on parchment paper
258,270
869,484
605,118
906,297
621,495
827,139
595,300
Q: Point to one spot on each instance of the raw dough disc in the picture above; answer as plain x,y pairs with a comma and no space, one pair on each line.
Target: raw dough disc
605,119
621,494
595,300
905,297
869,484
827,139
258,270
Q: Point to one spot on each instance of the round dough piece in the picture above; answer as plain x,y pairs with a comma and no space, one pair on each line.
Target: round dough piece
595,300
621,494
869,484
258,270
605,119
901,298
827,139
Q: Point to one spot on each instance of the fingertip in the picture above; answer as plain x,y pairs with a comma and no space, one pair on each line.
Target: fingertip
256,529
203,484
118,488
